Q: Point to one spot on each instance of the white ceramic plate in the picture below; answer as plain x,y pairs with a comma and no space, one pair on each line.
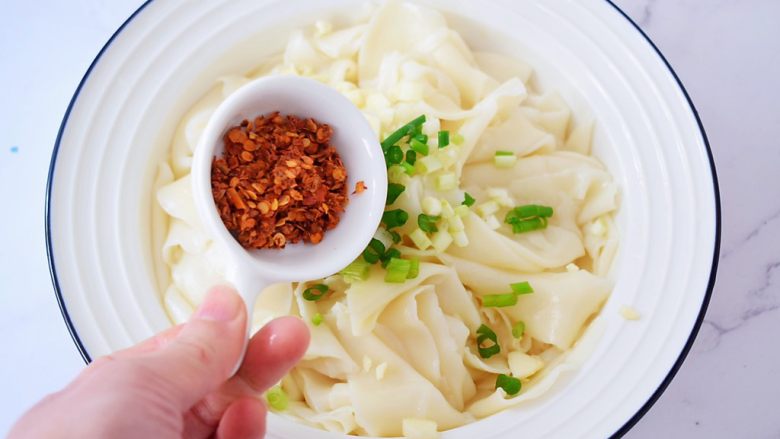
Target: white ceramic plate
169,53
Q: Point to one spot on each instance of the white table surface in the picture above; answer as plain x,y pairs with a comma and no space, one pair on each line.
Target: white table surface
727,53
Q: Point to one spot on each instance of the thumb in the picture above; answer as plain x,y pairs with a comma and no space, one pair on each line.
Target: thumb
206,350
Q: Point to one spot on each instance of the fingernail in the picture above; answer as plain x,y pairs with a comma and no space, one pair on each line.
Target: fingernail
221,304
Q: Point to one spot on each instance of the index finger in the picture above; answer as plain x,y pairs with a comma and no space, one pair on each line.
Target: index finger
271,353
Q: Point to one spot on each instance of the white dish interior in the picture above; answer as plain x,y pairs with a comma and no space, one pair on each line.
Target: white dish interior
169,54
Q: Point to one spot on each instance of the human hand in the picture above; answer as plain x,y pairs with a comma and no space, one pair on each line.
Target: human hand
176,384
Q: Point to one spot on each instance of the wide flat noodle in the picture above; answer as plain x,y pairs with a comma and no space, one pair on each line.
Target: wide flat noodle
418,322
553,179
422,33
380,404
542,384
515,134
555,312
548,248
368,299
502,68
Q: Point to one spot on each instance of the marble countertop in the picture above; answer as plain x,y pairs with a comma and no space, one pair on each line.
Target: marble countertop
725,52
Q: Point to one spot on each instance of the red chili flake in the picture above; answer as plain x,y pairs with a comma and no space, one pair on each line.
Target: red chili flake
360,187
279,181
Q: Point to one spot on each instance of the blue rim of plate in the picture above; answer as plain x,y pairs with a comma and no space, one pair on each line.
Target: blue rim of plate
622,430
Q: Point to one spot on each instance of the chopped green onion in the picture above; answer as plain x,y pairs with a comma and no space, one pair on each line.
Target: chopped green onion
518,329
408,168
383,236
315,292
487,208
398,270
462,211
420,239
460,238
447,182
393,138
411,157
487,350
277,398
441,240
394,155
455,224
316,319
420,147
377,245
505,154
422,138
457,138
499,300
528,211
444,138
358,270
428,164
468,200
528,217
414,269
511,385
416,130
505,201
447,211
492,222
395,218
501,196
431,206
428,222
504,161
396,173
521,288
400,133
448,156
390,254
396,237
374,251
394,190
497,193
530,225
